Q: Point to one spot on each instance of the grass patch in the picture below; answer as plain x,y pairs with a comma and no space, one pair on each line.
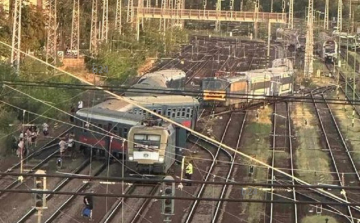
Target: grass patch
318,219
344,120
257,145
313,164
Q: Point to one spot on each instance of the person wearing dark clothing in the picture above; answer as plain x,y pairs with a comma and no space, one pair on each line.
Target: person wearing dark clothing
89,204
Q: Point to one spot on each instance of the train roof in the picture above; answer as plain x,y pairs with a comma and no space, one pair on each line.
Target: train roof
273,71
118,105
109,115
166,75
164,126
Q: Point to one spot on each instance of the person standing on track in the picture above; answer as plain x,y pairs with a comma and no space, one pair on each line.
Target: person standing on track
45,127
89,205
189,172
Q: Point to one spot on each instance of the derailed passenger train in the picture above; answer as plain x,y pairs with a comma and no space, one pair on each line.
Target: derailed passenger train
243,87
152,148
116,117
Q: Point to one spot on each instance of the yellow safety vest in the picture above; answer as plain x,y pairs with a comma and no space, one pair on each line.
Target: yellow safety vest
189,169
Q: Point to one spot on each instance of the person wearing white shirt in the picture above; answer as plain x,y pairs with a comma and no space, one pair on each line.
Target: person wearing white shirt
80,105
45,127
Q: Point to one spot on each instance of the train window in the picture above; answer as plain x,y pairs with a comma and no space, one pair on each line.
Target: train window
86,126
120,132
173,114
183,112
115,130
109,127
159,111
191,113
178,112
100,125
169,112
135,111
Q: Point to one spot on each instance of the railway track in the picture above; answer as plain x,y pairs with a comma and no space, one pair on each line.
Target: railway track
338,149
49,151
199,210
282,157
130,209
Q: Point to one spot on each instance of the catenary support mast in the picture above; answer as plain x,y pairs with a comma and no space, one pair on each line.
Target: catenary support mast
75,32
16,35
308,65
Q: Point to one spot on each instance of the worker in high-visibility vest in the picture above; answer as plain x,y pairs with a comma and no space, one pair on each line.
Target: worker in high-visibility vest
188,172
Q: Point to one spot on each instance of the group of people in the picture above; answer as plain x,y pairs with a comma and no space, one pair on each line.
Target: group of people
66,144
27,139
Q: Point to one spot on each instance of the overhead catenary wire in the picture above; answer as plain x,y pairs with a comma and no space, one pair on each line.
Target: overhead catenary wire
181,126
174,197
198,94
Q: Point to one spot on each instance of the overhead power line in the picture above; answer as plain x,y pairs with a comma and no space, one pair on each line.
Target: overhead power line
175,197
128,100
198,94
114,180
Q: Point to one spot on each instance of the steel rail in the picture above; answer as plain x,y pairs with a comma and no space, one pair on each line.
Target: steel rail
199,194
58,211
144,204
31,170
330,151
120,203
218,205
342,140
291,160
115,207
41,149
57,188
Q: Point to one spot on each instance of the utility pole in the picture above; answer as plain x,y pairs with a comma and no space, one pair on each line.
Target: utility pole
326,16
272,6
105,21
257,6
283,6
308,65
94,23
130,11
350,18
218,11
16,36
291,14
75,32
51,44
339,18
162,26
118,16
178,6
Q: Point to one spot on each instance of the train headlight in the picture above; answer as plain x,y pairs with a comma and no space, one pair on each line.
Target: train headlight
161,159
131,158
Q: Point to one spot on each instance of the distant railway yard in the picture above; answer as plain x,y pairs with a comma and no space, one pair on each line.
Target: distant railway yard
228,90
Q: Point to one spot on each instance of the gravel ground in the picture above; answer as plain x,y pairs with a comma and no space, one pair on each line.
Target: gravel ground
13,206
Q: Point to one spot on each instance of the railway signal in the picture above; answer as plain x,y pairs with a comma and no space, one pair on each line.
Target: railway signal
168,189
40,185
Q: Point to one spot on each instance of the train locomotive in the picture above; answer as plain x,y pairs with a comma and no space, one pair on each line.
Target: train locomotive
152,148
117,117
241,88
327,48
